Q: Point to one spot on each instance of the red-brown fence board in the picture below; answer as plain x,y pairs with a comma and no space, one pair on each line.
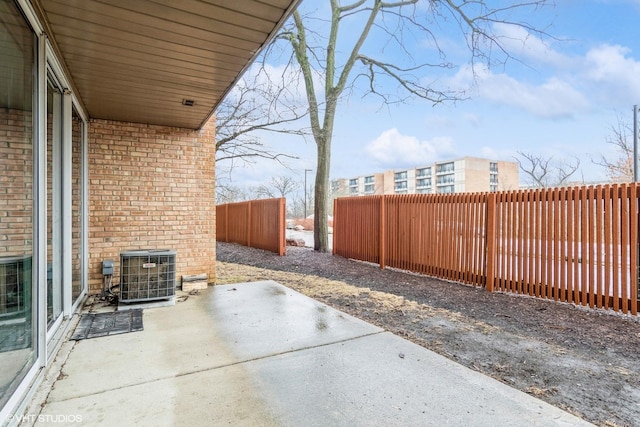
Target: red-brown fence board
577,245
255,223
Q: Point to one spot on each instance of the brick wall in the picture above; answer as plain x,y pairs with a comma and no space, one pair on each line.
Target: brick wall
151,187
16,182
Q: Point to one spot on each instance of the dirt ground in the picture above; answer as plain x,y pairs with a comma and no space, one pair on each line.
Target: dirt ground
584,361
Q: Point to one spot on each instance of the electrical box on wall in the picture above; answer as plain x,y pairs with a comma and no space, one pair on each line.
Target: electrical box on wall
107,267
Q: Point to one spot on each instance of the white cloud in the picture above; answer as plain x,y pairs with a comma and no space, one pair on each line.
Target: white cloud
393,148
528,47
553,98
613,74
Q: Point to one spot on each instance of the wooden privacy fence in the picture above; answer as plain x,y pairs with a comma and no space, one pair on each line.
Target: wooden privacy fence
577,245
255,223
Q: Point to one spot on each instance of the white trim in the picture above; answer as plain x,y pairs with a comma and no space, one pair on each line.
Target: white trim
84,208
66,197
31,16
56,68
39,265
80,110
56,233
51,332
18,400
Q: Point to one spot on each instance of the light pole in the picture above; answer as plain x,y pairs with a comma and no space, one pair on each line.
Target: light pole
305,192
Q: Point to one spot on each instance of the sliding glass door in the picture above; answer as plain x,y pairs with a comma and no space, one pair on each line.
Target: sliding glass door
18,319
78,282
54,201
42,202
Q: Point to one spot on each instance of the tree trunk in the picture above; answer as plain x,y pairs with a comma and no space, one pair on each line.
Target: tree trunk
321,194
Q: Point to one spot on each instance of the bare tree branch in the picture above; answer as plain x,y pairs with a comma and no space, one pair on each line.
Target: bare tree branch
255,105
545,172
619,169
279,186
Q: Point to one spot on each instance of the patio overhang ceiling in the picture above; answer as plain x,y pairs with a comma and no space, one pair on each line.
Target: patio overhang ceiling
143,60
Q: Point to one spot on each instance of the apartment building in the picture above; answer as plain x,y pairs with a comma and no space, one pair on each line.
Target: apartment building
463,175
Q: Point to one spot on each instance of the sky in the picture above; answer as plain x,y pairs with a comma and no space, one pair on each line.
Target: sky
558,98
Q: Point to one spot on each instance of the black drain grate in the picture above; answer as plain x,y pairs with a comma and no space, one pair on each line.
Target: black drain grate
105,324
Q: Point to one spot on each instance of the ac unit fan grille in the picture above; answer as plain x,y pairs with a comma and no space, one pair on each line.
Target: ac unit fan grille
147,275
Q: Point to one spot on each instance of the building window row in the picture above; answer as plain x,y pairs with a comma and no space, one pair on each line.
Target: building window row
424,172
400,186
445,179
423,182
400,176
445,167
447,189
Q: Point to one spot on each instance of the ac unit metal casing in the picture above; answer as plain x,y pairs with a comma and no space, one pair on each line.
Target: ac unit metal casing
147,275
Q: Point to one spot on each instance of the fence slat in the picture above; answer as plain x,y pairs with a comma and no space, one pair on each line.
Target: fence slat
577,244
633,219
256,223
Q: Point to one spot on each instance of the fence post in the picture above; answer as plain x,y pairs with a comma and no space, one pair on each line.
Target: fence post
282,214
491,241
383,231
633,294
226,222
335,211
249,224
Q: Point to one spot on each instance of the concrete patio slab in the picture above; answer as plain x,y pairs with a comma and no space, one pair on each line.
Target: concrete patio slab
262,354
266,318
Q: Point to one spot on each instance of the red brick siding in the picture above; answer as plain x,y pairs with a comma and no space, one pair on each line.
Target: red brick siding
151,187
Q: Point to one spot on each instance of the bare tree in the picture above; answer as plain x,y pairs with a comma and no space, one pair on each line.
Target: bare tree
295,208
546,172
256,104
619,169
279,186
227,193
333,63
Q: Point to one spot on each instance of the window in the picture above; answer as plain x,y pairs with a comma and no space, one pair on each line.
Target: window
399,176
493,179
421,173
423,182
445,179
353,182
368,179
18,316
77,154
493,167
369,189
447,189
400,186
445,167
